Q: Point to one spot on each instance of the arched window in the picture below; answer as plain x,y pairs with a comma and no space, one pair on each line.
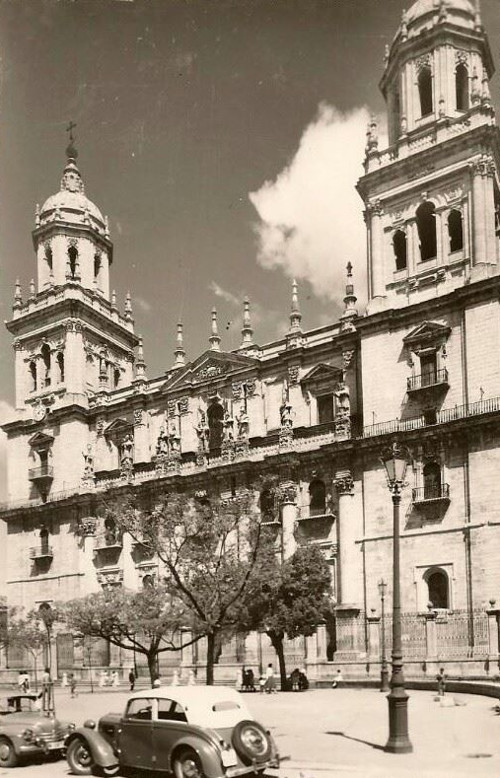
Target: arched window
317,502
425,91
438,584
44,541
399,245
73,259
266,504
116,378
147,582
97,266
32,372
455,230
462,87
432,480
426,226
46,358
60,367
48,257
215,415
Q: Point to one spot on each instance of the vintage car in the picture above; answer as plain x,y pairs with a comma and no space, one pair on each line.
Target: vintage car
26,732
190,731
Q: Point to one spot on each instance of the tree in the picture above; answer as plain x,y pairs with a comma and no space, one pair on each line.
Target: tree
290,599
210,549
147,621
29,633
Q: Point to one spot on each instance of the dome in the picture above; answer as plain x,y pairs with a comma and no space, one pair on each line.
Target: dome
424,14
424,7
70,204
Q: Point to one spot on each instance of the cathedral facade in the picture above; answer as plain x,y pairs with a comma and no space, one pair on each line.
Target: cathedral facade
310,412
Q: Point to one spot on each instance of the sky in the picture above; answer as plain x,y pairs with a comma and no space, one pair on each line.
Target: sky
223,139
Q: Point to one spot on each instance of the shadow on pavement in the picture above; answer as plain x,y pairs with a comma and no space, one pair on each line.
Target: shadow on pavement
357,740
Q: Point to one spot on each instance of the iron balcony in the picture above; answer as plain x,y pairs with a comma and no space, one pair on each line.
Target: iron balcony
431,494
417,383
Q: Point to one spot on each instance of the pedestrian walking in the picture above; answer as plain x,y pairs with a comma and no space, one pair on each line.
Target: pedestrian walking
262,683
72,686
338,679
441,682
269,679
47,691
131,679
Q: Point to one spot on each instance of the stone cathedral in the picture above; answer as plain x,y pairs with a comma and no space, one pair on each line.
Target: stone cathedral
313,410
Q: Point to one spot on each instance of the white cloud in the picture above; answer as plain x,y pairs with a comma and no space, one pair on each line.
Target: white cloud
142,304
224,294
311,220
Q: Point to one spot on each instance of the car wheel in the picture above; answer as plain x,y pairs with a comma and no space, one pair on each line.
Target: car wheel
187,764
8,757
251,742
109,771
79,757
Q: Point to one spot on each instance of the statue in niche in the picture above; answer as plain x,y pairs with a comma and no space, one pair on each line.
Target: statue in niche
202,430
174,440
286,415
127,451
88,458
343,402
243,422
162,442
228,427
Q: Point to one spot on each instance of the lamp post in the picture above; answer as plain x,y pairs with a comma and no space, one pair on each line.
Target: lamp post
384,672
395,463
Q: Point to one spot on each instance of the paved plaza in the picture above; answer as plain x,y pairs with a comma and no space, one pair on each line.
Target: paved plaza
342,732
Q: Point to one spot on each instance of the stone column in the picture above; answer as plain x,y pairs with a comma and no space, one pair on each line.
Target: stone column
288,518
74,357
377,275
344,485
489,213
478,221
430,635
86,530
141,443
21,374
493,632
373,637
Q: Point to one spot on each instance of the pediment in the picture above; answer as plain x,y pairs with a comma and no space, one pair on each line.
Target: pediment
209,366
116,427
41,439
323,372
427,332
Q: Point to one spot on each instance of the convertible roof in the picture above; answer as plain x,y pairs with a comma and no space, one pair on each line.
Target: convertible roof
186,695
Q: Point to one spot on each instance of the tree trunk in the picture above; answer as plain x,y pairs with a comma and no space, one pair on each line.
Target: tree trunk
152,666
211,648
277,642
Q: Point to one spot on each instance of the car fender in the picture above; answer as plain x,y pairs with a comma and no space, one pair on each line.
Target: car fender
101,750
207,751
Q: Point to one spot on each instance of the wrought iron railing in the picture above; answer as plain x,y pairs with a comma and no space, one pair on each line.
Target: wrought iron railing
44,471
426,380
41,552
431,493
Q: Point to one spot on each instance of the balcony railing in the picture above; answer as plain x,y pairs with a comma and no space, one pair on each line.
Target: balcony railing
41,552
428,494
42,473
427,380
108,539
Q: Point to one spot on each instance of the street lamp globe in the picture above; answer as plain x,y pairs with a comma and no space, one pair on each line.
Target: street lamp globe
395,461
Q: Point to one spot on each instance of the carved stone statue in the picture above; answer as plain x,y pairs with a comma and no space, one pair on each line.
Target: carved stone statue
89,462
243,422
228,427
286,415
127,451
202,430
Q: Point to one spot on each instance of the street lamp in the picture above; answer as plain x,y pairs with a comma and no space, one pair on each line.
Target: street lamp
384,672
395,463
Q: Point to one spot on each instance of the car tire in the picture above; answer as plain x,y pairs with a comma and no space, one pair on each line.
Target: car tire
8,756
108,772
187,764
79,757
251,742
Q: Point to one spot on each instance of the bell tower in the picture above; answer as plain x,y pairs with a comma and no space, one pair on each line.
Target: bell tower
70,340
432,196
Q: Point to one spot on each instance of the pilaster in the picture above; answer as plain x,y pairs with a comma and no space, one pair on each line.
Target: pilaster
373,637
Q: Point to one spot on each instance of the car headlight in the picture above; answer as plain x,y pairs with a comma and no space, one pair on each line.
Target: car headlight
89,724
27,735
71,726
